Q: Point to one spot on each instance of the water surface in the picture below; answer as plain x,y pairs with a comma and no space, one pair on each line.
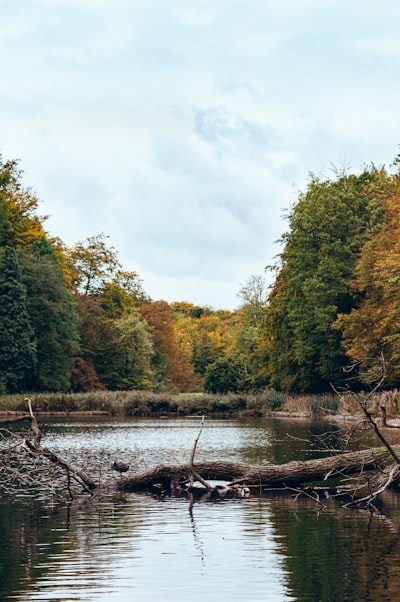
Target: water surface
125,546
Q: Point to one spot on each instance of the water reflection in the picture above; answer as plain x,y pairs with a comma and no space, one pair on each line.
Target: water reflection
117,548
121,547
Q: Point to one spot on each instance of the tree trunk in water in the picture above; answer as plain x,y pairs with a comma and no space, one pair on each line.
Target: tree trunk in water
292,474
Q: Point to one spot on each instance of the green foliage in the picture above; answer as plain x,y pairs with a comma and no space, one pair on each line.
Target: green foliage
223,376
53,317
300,348
135,350
17,345
122,294
98,362
337,260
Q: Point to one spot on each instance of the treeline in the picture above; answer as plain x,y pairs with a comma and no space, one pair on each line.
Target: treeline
73,320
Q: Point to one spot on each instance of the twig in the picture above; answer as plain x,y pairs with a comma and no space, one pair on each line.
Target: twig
195,474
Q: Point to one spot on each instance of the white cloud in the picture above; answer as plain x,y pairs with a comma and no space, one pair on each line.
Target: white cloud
183,130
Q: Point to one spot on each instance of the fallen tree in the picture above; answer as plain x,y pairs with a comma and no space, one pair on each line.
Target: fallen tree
360,476
293,474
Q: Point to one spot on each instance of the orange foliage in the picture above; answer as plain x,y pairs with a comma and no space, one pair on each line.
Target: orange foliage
374,327
178,372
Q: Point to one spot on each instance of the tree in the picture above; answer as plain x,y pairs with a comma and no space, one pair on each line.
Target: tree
20,225
328,227
53,316
94,264
135,350
170,367
254,294
122,294
223,376
372,327
97,364
247,334
17,345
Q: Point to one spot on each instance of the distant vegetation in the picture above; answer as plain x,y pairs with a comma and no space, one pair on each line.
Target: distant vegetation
72,320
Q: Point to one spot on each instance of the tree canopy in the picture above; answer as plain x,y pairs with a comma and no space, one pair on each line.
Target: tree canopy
76,319
328,227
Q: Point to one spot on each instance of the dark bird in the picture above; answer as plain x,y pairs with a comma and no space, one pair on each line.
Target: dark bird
120,467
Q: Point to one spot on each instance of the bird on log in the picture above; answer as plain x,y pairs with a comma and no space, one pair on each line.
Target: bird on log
120,467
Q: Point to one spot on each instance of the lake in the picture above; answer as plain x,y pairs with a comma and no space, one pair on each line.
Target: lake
129,546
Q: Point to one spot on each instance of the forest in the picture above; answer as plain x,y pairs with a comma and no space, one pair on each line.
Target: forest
74,320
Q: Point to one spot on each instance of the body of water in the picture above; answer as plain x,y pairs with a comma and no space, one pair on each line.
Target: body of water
128,547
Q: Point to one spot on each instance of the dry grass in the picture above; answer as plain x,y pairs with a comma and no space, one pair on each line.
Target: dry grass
145,403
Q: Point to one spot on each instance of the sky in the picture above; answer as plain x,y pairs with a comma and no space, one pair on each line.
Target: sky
185,129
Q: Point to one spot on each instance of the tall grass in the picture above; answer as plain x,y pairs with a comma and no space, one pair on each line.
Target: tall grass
146,403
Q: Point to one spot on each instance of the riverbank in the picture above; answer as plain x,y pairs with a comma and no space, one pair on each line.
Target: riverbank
144,403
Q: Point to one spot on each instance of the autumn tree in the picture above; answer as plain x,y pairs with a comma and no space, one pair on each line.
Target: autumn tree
94,264
171,368
20,224
372,327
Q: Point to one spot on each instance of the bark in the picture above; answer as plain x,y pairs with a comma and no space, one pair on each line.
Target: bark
292,474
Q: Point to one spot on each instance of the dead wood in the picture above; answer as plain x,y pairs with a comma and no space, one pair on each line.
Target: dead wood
241,478
249,475
15,419
34,447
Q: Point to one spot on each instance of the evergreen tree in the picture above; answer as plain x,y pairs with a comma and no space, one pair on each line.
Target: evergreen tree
53,316
17,346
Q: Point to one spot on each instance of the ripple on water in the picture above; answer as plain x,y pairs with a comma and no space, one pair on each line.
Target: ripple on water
161,551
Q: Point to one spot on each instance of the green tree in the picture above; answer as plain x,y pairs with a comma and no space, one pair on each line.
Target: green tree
247,333
135,350
223,376
122,294
327,228
17,345
53,317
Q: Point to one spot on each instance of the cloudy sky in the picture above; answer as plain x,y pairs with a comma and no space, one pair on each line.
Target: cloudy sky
184,128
